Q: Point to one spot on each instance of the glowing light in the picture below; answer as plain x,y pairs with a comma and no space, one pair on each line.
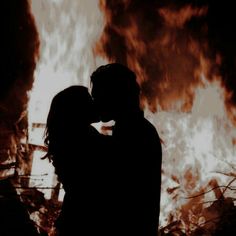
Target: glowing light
43,174
192,120
197,148
68,31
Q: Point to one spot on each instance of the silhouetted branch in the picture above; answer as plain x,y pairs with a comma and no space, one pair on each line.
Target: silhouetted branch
19,187
32,175
226,174
228,185
219,186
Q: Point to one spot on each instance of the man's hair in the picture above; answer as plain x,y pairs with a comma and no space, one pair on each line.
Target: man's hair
119,80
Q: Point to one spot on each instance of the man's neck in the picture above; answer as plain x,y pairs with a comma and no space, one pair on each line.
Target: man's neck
129,115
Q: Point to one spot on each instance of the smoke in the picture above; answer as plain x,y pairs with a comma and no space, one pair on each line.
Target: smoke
19,52
168,44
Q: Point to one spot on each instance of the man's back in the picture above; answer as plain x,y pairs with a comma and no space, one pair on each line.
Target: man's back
134,166
137,175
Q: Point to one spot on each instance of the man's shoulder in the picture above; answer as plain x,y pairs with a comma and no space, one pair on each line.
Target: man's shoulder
93,131
148,127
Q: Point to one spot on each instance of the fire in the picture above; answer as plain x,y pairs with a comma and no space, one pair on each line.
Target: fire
198,148
160,56
20,50
67,31
180,76
179,17
184,92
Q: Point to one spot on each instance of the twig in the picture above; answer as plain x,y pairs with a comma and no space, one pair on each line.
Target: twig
219,186
228,186
19,187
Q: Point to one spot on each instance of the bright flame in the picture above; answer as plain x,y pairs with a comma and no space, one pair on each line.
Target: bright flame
68,31
43,174
199,143
67,34
198,147
195,118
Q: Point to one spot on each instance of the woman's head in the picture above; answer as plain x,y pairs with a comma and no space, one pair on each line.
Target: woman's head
71,110
72,106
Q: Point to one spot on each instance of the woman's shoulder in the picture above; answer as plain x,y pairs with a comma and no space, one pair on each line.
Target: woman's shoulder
93,131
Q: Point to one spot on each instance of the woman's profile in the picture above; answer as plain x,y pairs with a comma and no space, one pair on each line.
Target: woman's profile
73,147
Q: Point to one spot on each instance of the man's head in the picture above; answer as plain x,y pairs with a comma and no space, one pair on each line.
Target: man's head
115,91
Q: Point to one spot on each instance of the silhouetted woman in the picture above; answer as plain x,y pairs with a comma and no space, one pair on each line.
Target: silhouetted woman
73,147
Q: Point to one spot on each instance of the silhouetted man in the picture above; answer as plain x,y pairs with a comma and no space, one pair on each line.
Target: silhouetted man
134,166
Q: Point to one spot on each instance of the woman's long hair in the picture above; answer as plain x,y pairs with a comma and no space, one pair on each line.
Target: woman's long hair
70,110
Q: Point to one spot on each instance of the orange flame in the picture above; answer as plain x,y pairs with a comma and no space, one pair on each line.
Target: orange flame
20,53
177,18
180,77
160,58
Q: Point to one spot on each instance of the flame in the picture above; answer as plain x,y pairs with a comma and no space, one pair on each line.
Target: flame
20,51
198,148
180,76
159,57
67,31
177,18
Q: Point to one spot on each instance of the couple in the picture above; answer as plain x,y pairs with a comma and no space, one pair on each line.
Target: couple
112,183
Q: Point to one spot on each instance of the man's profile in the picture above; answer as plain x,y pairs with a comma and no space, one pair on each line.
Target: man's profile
134,169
